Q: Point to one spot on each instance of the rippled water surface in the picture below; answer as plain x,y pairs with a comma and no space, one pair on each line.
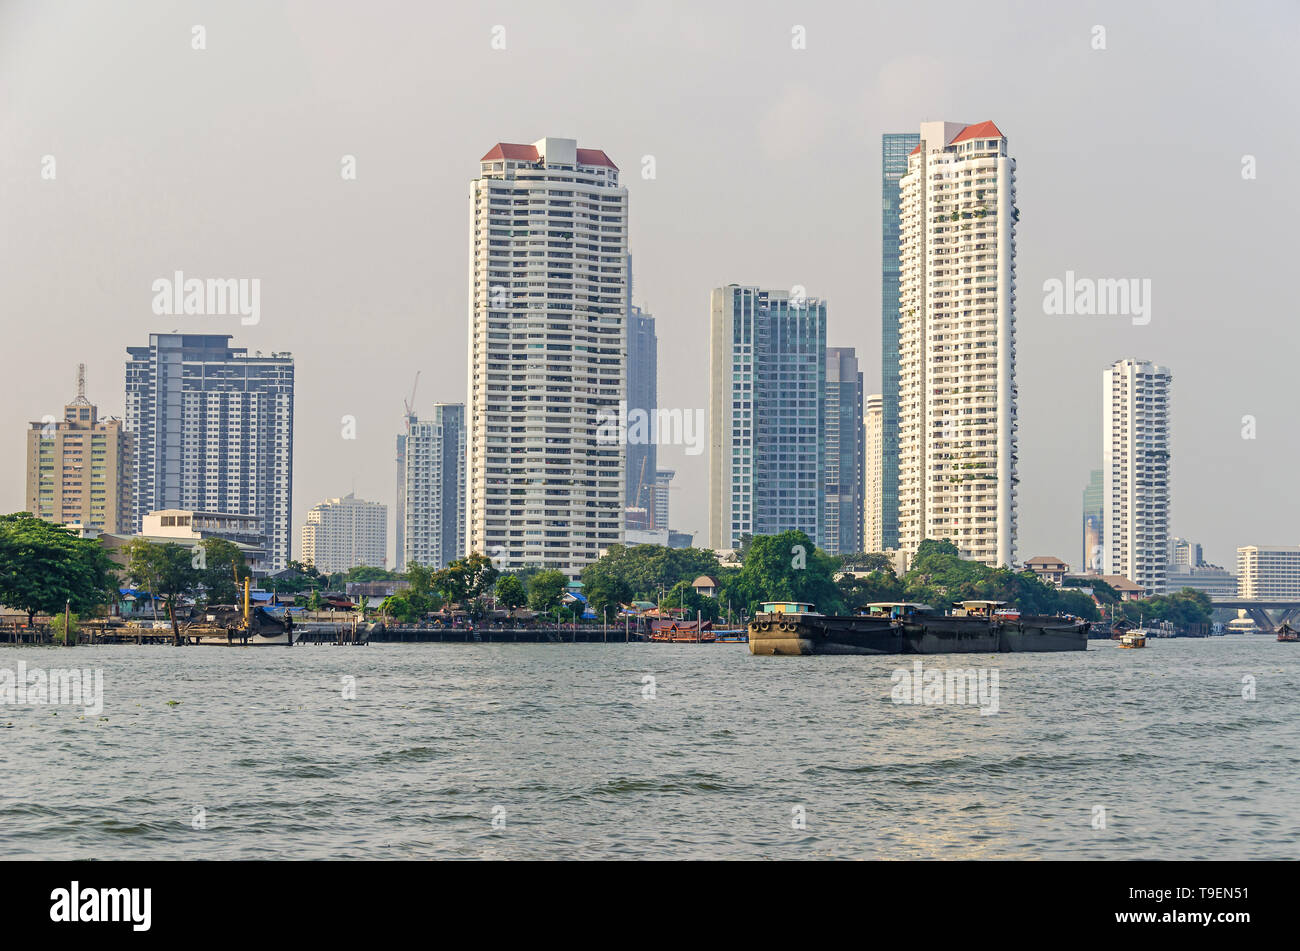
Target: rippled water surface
562,743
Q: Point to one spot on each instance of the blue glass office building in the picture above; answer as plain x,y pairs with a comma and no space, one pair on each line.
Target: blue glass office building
768,388
895,147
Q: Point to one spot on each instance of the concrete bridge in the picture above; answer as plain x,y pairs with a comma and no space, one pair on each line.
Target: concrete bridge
1262,611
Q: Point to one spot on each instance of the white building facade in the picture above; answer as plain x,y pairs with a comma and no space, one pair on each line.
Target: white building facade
345,533
434,512
213,431
1135,472
873,538
1268,573
957,422
547,355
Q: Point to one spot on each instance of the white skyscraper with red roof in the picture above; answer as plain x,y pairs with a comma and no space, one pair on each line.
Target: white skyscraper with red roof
957,350
547,355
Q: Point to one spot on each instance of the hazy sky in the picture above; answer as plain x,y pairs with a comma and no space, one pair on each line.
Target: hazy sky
225,162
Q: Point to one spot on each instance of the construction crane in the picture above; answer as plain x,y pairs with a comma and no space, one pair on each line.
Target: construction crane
640,480
410,404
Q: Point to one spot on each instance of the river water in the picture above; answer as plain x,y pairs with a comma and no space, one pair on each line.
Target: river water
663,751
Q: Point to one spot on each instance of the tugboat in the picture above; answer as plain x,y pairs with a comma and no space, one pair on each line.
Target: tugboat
1286,634
1133,639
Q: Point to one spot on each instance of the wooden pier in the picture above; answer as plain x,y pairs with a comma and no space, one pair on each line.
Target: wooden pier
497,635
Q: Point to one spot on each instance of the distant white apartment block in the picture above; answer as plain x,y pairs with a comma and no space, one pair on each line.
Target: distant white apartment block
873,525
345,533
663,485
434,528
957,421
1135,472
1268,574
547,355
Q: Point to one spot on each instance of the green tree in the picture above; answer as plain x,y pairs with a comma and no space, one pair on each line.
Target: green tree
60,635
606,590
641,571
167,571
938,575
789,567
1183,609
510,592
219,562
395,606
546,590
736,592
368,573
683,597
452,583
1102,591
480,574
867,561
420,577
44,567
466,580
860,590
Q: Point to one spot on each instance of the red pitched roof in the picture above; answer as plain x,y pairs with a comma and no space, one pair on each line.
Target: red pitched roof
528,153
915,151
507,150
595,157
980,130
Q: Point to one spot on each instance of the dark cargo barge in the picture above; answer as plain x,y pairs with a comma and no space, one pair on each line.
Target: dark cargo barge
975,627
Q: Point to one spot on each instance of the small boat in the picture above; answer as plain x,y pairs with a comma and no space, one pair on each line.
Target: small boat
737,636
1286,634
682,632
227,625
1133,639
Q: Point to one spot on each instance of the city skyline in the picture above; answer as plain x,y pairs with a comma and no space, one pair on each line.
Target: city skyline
338,305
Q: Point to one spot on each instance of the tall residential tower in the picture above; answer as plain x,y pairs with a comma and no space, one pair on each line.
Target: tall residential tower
547,354
433,510
79,468
345,533
957,351
1135,470
213,431
873,534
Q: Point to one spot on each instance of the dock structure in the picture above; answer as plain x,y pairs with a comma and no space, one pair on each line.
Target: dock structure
340,635
497,635
336,634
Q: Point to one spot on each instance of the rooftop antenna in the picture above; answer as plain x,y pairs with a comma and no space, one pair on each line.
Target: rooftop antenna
81,385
